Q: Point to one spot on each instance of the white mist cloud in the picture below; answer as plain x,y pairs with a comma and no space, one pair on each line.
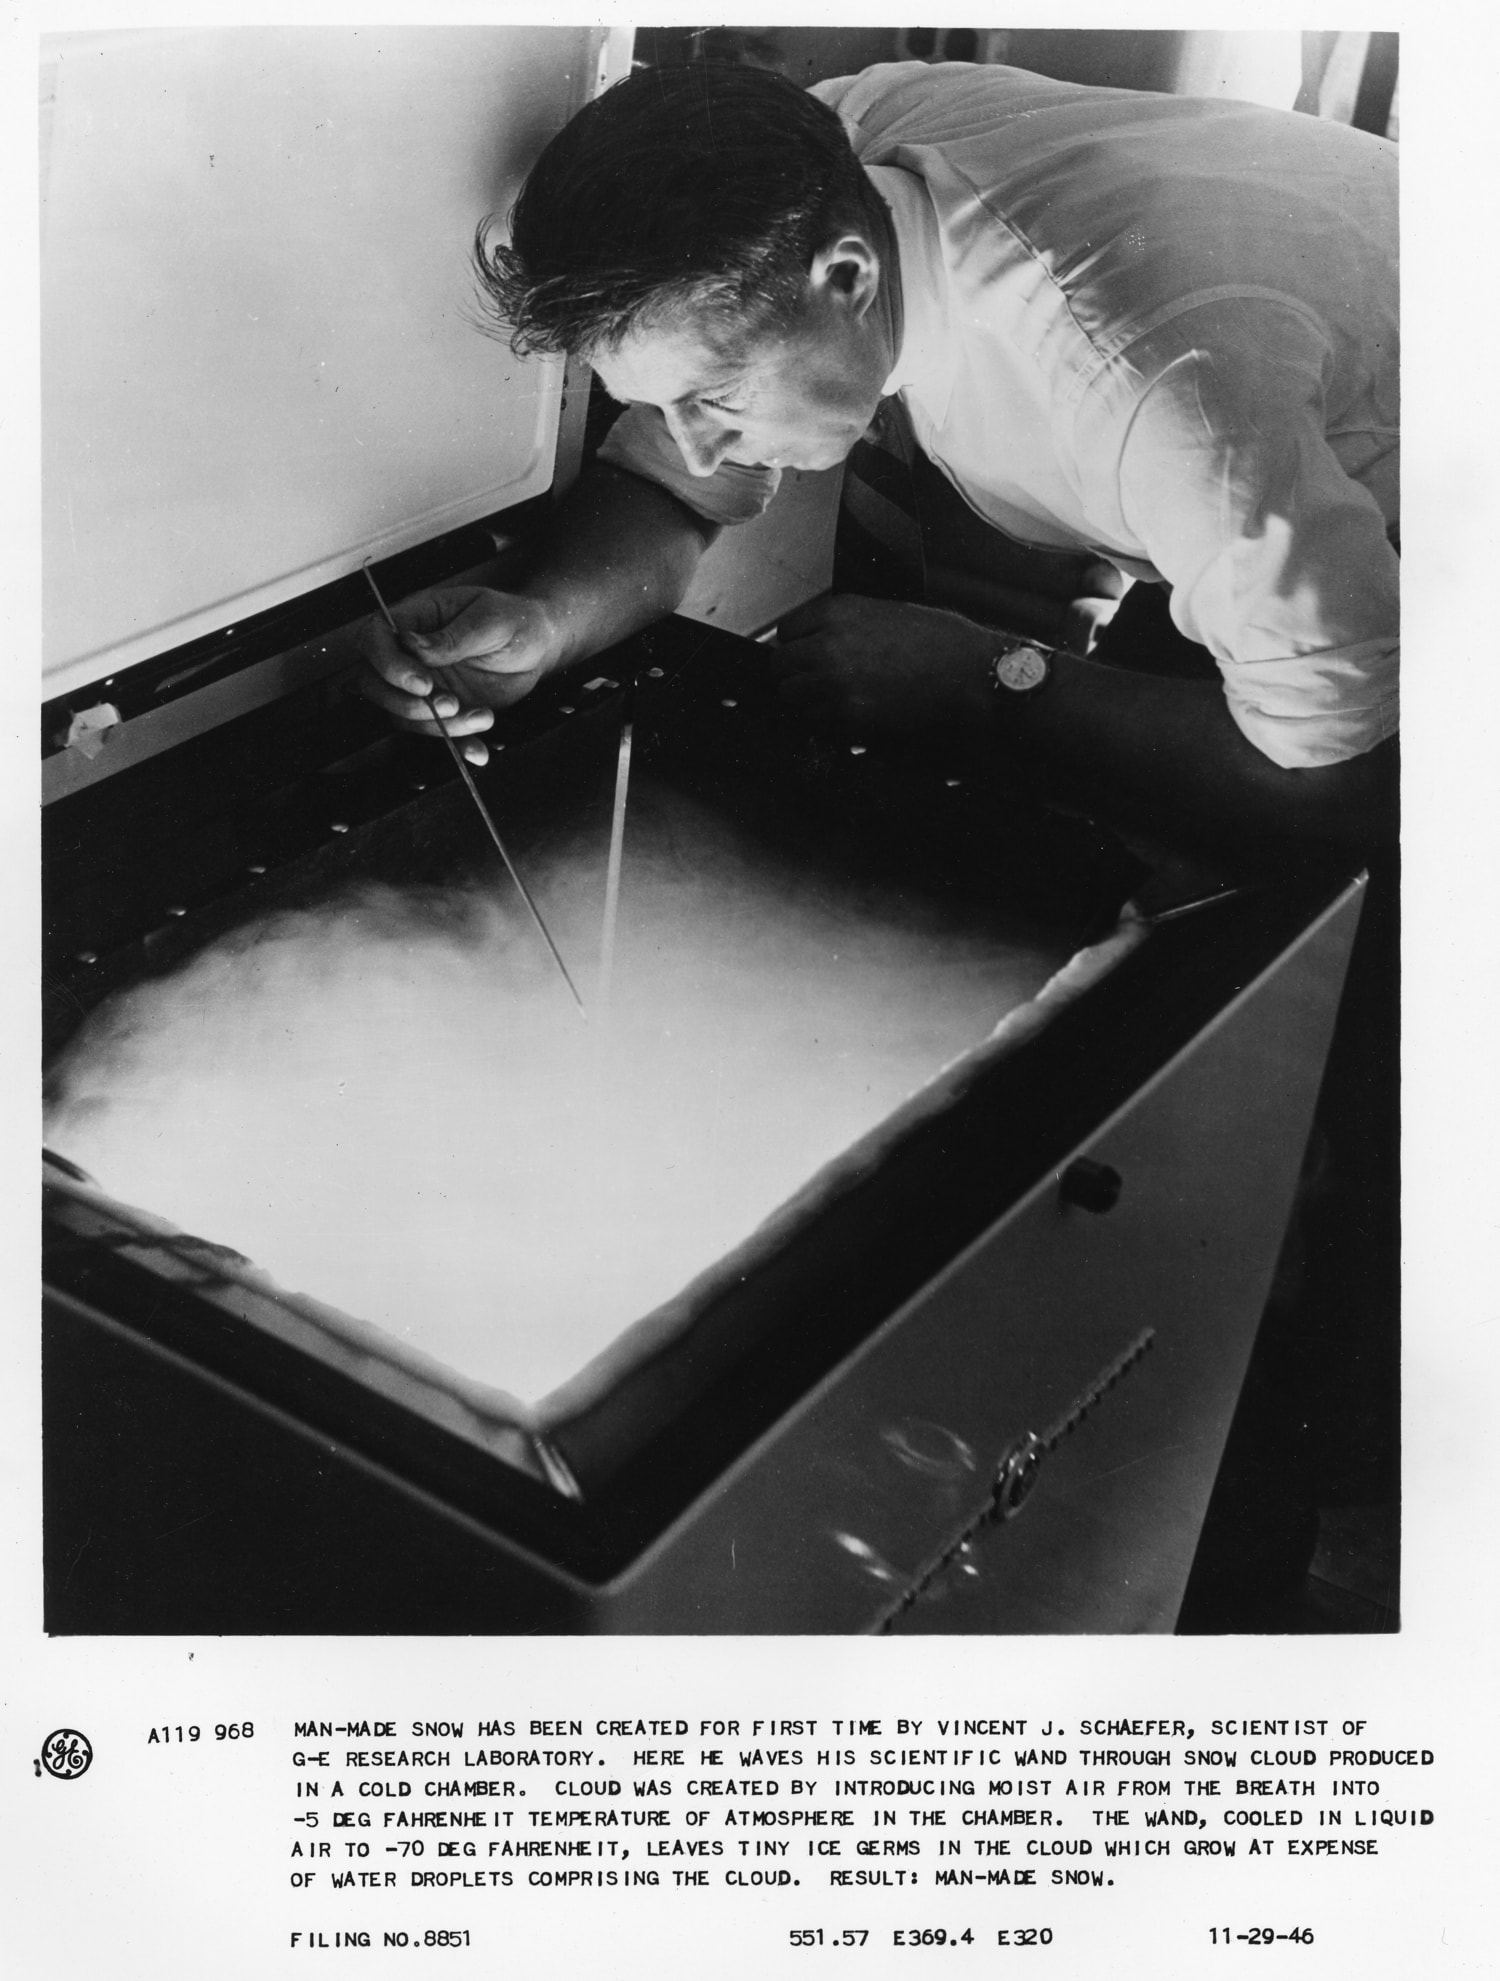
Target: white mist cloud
391,1104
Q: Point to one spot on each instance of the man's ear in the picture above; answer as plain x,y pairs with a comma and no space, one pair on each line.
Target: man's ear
847,271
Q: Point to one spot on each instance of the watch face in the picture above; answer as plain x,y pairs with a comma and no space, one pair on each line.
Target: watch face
1021,670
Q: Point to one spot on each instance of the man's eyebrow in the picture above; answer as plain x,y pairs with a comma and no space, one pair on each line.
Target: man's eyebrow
711,389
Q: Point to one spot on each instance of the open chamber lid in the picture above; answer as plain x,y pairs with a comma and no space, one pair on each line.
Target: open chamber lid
261,361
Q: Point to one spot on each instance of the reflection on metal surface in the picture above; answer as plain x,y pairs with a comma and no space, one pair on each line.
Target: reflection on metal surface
875,1565
555,1466
1015,1478
929,1448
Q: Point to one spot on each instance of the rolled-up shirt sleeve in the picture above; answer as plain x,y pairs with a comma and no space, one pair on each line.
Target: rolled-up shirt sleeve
640,443
1235,476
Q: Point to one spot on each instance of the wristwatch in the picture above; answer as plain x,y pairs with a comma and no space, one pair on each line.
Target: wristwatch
1021,672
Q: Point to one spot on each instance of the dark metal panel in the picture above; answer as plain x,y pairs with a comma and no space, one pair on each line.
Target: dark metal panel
178,1501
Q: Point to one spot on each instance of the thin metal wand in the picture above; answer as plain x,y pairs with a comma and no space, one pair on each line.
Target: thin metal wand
483,809
616,849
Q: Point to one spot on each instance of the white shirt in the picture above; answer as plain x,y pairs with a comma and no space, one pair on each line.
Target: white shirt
1161,328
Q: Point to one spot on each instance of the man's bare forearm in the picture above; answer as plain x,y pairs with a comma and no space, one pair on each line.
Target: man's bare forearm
1155,755
1168,753
623,553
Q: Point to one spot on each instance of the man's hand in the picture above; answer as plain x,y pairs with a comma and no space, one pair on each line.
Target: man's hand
872,669
480,649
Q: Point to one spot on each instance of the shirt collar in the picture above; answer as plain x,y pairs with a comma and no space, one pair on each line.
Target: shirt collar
926,360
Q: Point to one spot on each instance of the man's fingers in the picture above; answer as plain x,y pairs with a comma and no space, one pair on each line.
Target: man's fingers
486,629
1102,580
1084,621
396,701
415,712
454,626
461,721
391,661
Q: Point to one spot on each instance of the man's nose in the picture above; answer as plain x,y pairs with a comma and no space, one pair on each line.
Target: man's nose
701,440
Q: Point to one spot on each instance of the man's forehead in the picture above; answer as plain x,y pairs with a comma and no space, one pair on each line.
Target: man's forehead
664,363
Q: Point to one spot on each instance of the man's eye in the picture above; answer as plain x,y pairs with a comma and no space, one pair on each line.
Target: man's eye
721,406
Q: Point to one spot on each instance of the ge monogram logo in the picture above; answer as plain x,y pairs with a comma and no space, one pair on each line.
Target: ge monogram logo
66,1754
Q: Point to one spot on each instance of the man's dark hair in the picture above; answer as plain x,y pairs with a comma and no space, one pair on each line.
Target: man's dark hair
707,186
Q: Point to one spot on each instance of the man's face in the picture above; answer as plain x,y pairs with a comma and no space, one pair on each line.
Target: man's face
790,399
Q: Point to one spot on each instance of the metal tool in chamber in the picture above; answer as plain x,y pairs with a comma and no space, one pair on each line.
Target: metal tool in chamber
484,811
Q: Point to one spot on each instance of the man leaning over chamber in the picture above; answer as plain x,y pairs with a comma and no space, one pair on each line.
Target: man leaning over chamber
1157,331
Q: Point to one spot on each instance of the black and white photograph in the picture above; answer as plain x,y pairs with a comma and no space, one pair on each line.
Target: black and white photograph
725,954
859,1090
